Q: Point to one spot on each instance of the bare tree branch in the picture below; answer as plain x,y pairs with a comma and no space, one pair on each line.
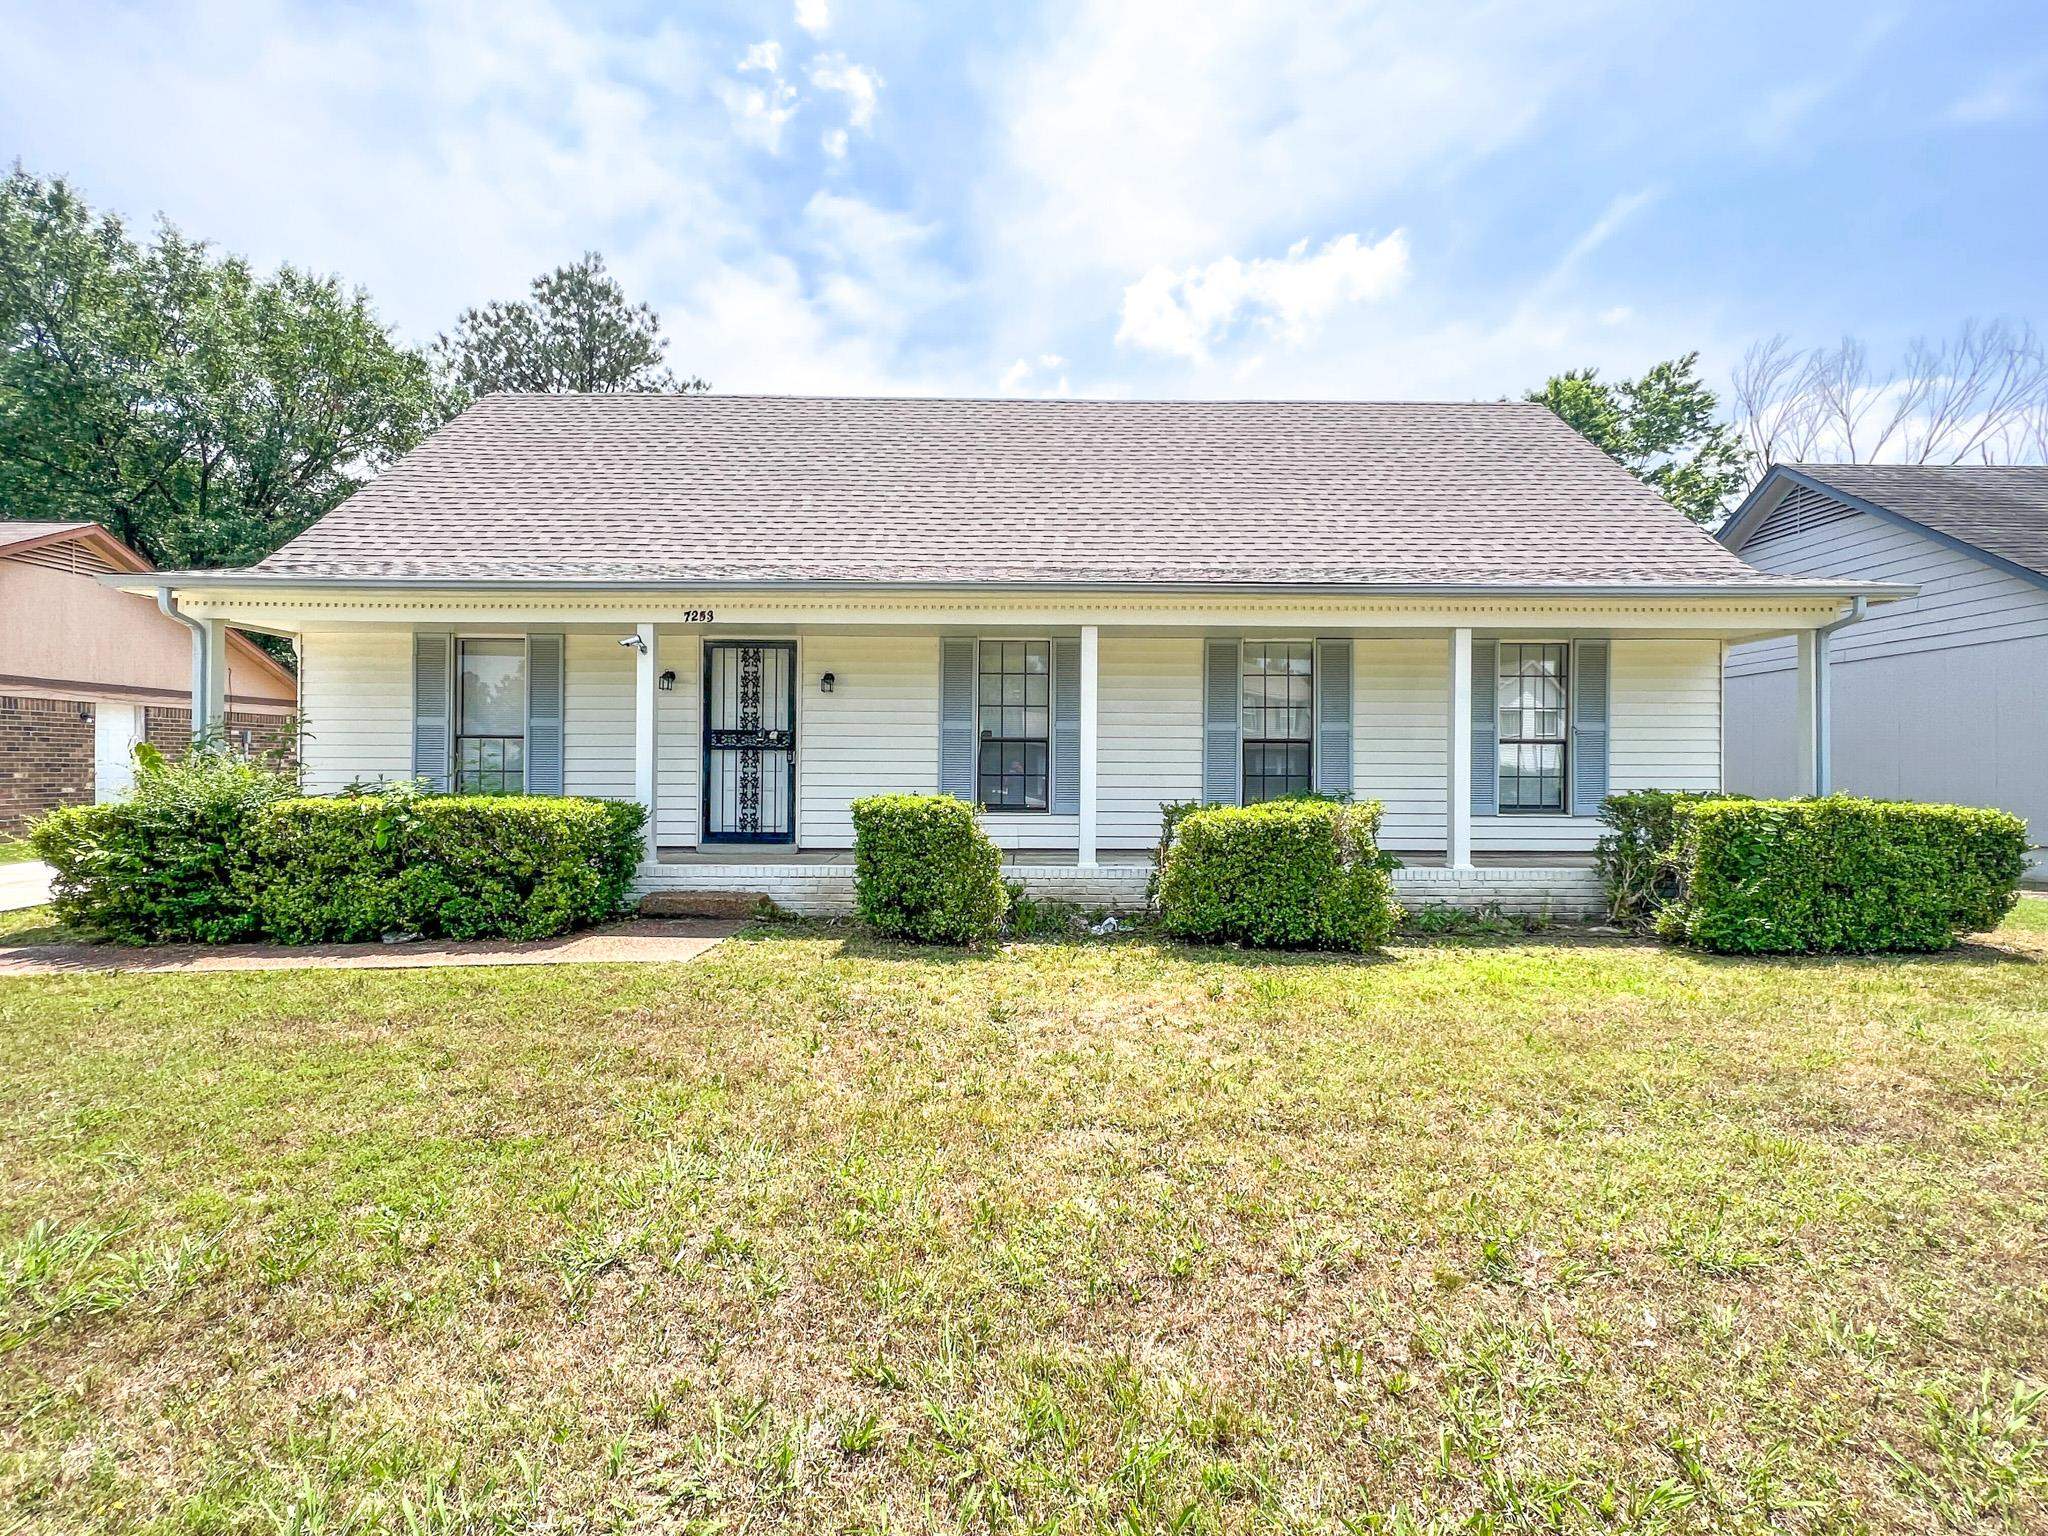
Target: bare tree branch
1980,396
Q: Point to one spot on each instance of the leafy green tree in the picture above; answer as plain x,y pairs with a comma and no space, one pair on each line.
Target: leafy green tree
1660,428
576,334
201,412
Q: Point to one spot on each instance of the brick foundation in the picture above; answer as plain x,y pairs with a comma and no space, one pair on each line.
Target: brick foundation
46,757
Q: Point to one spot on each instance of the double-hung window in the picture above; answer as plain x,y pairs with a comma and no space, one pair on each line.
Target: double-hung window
490,741
1533,699
1278,703
1014,724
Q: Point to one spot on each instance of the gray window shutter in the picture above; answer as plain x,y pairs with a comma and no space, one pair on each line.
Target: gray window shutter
432,656
956,718
1333,717
1485,727
1590,709
1066,727
1222,724
544,712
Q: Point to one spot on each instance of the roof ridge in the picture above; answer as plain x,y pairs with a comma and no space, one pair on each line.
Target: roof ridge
1059,400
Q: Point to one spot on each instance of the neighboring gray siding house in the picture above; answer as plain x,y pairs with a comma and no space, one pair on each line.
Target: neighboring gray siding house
1943,696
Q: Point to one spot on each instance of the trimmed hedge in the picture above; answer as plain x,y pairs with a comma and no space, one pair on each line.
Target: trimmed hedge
442,867
170,862
1841,874
1287,874
1638,855
923,869
213,849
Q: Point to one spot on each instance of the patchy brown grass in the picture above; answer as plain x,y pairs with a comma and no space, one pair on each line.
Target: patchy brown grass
814,1234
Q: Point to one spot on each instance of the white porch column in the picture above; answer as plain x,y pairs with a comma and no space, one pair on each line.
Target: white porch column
1808,714
1090,650
116,730
1458,781
209,677
645,674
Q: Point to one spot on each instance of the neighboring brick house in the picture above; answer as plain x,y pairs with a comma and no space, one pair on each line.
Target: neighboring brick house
86,672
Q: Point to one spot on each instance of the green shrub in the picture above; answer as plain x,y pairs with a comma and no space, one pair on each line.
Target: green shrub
1841,874
169,862
1638,856
1289,874
441,866
923,869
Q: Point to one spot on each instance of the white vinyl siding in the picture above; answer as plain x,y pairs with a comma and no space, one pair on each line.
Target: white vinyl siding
1664,732
597,735
355,693
1400,739
678,745
1148,735
877,732
1665,727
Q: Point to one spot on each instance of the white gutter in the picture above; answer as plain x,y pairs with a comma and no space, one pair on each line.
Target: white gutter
202,652
1823,695
281,583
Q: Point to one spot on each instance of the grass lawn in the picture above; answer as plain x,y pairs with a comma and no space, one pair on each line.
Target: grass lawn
14,851
1557,1233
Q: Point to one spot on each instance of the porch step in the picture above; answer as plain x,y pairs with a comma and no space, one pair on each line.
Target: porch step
724,904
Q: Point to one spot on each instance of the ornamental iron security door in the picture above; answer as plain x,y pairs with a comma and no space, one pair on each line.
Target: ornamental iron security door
750,741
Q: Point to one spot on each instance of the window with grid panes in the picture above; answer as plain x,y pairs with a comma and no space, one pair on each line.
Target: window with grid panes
1532,698
490,741
1014,723
1278,708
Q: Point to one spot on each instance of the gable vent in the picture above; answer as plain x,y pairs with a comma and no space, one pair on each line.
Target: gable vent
72,557
1803,510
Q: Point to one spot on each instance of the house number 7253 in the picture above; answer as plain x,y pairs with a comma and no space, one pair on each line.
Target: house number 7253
697,615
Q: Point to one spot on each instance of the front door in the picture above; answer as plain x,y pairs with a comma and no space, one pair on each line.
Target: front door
750,741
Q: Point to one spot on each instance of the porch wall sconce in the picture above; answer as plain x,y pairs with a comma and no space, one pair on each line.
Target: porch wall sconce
666,682
827,683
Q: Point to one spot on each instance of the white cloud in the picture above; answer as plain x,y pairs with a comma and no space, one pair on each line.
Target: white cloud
814,16
1778,114
2014,95
1147,132
1181,313
833,142
861,86
1023,377
760,112
464,151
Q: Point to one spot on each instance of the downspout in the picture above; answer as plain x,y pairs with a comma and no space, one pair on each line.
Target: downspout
201,684
1823,699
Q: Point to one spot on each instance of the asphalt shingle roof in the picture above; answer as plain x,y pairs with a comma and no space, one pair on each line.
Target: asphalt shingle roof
2000,508
736,488
19,530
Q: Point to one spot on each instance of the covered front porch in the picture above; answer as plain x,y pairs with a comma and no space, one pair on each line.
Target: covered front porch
1488,729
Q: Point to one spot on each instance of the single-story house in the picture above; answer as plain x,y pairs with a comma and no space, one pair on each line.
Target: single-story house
746,612
1937,697
86,672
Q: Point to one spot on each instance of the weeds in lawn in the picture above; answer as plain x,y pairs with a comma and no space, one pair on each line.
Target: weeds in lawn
1489,920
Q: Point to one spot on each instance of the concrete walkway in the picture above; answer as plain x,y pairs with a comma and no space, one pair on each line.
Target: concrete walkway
25,883
642,941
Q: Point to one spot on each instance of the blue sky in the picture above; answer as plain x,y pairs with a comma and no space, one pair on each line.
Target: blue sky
1113,197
